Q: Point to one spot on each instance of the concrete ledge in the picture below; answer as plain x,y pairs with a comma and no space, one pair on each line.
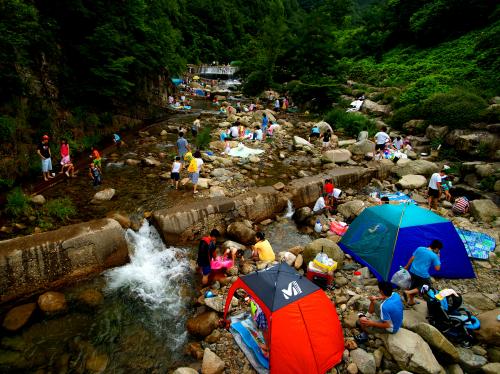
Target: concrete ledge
33,263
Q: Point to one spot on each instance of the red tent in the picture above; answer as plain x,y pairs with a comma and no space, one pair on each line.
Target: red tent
304,333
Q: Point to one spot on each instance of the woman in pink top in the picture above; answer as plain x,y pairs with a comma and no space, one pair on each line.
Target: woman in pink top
64,152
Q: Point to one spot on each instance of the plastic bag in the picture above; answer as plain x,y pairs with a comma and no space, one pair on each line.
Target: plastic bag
402,279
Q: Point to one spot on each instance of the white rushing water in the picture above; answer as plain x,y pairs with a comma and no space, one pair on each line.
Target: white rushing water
289,210
154,278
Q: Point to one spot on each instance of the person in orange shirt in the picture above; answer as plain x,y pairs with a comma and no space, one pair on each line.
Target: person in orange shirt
96,157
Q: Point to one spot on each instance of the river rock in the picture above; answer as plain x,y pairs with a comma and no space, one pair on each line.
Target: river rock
202,324
436,132
491,368
185,370
411,352
351,209
490,327
299,261
287,257
91,297
301,215
485,170
212,364
438,343
411,182
38,200
352,368
298,249
327,246
414,126
151,161
414,316
280,186
478,301
484,210
247,267
362,147
300,142
241,233
217,303
122,219
375,108
417,167
17,317
52,302
338,156
469,360
216,191
97,362
104,195
230,244
364,361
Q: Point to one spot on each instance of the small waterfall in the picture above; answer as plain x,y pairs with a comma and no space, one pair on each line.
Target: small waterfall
153,279
289,209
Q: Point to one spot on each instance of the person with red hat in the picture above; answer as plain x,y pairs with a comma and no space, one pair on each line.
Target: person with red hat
44,152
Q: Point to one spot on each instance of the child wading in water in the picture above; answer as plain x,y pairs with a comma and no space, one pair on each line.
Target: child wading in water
95,174
175,173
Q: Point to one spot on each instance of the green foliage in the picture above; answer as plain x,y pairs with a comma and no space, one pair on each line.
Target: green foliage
402,115
350,123
491,114
422,88
7,128
456,109
319,95
17,203
488,183
60,209
203,138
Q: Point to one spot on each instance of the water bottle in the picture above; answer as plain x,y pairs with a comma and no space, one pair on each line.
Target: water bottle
318,227
357,279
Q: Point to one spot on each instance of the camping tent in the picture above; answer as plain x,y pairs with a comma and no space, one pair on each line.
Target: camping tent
304,333
384,237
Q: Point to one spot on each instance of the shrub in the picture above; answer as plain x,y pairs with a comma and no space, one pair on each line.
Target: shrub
488,183
423,88
319,94
203,138
60,208
351,123
7,128
402,115
491,114
17,203
255,83
456,109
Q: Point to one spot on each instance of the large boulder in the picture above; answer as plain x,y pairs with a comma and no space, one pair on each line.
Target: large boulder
104,195
414,126
364,361
203,324
150,161
412,181
351,209
327,246
18,316
212,364
38,200
52,302
490,327
185,370
338,156
241,233
415,167
469,360
411,352
445,351
491,368
479,301
257,115
472,143
362,147
484,210
301,215
300,142
374,108
436,132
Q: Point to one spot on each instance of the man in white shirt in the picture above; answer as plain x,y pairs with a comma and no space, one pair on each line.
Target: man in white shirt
434,189
235,131
381,139
320,205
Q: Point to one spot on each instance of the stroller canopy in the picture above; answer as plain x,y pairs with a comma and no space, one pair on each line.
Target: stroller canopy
304,332
384,238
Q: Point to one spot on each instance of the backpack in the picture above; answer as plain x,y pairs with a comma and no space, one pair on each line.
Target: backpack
193,166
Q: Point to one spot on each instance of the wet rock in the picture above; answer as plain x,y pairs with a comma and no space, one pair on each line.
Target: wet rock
280,186
52,302
490,327
454,369
91,297
241,233
122,219
484,210
411,181
185,370
287,257
38,200
351,209
445,351
202,324
300,142
469,360
230,244
212,364
194,350
150,161
362,147
327,246
417,167
216,191
217,303
104,195
17,317
338,156
96,362
478,301
132,162
214,337
352,368
411,352
364,361
491,368
301,215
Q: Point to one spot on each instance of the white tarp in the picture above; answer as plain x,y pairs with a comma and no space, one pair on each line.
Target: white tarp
242,151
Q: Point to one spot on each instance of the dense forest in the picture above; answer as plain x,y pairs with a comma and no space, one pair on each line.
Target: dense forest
67,67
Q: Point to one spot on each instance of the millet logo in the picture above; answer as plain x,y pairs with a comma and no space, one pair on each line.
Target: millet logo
293,289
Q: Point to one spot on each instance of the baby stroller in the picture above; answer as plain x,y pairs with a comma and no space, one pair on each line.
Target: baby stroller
447,315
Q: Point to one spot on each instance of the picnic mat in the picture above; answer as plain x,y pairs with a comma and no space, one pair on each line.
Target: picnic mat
477,244
399,197
246,335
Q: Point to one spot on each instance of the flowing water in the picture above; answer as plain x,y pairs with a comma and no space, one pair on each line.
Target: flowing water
139,326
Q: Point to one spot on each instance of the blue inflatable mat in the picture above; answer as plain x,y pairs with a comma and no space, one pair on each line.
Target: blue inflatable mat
243,330
477,244
398,196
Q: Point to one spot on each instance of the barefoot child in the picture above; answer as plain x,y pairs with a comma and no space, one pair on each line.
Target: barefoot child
175,173
95,174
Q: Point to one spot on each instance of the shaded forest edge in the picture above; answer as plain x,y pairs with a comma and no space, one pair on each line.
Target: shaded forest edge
83,69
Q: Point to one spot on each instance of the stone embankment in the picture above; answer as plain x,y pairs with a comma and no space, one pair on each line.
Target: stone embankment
47,260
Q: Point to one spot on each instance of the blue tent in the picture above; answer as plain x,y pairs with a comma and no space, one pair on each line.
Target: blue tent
384,237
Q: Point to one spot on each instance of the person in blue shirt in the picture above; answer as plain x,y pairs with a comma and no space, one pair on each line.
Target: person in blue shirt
265,123
390,313
420,263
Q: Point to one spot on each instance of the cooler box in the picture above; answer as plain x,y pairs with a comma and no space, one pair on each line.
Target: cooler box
319,277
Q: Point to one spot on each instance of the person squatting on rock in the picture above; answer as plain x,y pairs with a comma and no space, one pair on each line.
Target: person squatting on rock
419,264
207,252
388,308
434,189
262,248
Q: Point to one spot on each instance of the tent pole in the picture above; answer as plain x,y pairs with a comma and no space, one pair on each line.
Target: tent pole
396,238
